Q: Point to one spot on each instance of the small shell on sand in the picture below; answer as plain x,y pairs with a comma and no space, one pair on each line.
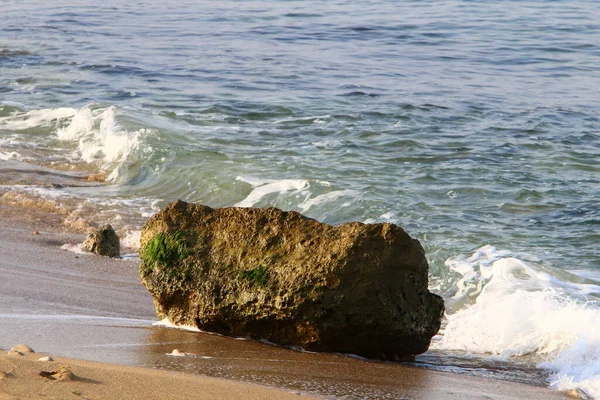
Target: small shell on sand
179,353
46,358
22,348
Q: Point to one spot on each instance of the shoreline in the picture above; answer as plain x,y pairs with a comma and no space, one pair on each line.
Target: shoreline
54,287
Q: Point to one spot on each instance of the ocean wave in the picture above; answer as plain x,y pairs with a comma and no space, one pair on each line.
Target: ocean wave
99,138
504,307
19,120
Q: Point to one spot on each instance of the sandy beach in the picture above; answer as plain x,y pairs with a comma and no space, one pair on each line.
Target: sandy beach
92,308
20,379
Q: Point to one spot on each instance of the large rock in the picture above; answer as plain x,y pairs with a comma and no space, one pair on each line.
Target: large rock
103,241
274,275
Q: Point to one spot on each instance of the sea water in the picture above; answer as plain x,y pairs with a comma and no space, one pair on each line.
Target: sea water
474,125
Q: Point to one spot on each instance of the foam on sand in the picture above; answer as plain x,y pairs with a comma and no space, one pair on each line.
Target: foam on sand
505,307
168,324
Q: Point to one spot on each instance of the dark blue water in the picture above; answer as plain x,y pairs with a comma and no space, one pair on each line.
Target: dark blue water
469,123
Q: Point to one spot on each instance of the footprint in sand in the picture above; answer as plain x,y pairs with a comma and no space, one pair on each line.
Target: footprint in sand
5,375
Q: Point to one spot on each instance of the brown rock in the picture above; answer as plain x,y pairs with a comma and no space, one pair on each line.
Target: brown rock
98,177
62,374
22,348
103,241
274,275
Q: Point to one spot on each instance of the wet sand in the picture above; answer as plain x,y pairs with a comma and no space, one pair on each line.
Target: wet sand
94,308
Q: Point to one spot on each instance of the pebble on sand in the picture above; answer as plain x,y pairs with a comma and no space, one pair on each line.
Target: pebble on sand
46,358
177,352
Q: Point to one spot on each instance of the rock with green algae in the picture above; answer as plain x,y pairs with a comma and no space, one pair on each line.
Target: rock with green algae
103,241
279,276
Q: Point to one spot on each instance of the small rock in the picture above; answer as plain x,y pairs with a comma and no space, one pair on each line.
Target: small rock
46,358
177,352
103,241
98,177
62,374
36,233
22,348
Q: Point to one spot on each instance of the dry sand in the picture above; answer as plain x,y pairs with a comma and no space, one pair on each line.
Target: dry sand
36,277
20,379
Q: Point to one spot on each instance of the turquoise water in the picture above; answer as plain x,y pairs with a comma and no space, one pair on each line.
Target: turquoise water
474,125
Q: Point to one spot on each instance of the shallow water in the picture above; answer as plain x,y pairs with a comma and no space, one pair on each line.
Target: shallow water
474,125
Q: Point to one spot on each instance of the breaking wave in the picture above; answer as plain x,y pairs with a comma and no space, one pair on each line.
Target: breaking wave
504,307
98,137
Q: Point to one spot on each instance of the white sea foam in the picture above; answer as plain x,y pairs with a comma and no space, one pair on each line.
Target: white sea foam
263,188
74,248
81,123
40,192
315,119
168,324
328,144
101,139
308,203
509,308
132,239
25,120
387,217
13,155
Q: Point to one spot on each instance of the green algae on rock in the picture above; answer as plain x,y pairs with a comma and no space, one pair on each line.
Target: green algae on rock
279,276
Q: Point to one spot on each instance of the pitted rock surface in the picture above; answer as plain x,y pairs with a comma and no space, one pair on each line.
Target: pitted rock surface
103,241
268,274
